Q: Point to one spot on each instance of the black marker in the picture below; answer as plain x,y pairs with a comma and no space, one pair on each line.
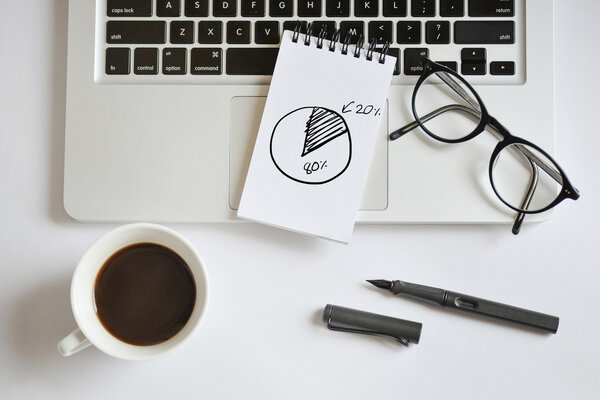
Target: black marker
470,304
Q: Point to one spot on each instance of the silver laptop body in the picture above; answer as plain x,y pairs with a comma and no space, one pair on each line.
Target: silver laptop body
175,148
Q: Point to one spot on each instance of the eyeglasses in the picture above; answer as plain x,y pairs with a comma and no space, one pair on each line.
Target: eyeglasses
523,176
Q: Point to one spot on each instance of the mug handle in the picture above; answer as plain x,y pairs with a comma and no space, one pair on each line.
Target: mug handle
72,343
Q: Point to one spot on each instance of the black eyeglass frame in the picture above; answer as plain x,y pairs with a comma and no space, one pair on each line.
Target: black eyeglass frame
568,191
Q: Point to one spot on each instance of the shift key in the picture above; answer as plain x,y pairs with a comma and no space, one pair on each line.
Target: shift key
136,32
484,32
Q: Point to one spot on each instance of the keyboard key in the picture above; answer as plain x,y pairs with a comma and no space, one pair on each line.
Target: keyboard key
337,8
366,8
412,60
224,8
238,32
206,61
422,8
380,31
470,68
309,8
251,61
136,32
253,8
266,32
491,8
453,65
117,61
476,55
355,28
174,61
437,32
145,61
502,68
409,32
452,8
394,8
168,8
484,32
281,8
182,32
394,51
291,26
328,25
129,8
210,32
196,8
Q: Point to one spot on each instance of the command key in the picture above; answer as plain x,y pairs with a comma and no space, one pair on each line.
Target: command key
207,61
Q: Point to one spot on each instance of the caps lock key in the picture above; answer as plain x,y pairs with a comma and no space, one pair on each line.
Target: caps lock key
129,8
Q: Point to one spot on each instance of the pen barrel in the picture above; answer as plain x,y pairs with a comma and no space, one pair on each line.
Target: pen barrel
501,312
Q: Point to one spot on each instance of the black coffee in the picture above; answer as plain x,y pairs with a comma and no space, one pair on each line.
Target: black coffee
144,294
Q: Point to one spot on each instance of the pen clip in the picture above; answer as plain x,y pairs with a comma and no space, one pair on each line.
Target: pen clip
331,326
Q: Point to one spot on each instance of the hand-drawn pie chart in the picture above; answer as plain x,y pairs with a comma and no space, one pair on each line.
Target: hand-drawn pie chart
311,145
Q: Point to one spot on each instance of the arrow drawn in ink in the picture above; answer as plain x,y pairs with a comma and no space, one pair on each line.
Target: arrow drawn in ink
345,107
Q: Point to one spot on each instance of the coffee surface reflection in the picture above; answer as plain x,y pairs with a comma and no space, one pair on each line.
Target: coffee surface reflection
144,294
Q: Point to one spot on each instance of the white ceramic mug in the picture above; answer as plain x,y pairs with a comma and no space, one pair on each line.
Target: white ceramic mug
91,331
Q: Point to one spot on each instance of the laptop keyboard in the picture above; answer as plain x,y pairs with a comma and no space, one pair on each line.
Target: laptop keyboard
236,41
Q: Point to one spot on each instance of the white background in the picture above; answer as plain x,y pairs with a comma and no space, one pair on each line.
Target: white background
262,337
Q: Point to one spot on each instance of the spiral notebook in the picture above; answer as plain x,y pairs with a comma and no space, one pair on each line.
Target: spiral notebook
316,136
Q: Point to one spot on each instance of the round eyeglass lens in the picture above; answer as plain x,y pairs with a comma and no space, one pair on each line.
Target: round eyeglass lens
525,178
446,107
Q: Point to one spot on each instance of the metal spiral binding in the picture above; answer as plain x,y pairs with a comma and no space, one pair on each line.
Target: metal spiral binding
334,39
371,49
321,36
297,32
308,34
383,53
345,43
359,45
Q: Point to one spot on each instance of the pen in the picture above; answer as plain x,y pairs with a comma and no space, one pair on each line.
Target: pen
469,304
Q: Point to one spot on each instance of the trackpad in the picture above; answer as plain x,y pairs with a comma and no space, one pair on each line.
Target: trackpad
245,116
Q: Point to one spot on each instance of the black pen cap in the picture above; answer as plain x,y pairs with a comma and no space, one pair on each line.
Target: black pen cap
345,319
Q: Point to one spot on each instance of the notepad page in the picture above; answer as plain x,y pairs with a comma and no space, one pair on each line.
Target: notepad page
316,138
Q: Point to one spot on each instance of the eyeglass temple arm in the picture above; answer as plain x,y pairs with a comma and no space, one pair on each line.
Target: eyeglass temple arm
540,163
527,199
459,90
451,107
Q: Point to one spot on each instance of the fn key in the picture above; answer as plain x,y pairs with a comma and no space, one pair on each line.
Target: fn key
117,61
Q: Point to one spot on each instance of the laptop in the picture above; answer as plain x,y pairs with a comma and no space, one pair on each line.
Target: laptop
164,99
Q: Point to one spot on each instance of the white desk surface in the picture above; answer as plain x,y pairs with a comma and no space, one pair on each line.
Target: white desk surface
262,337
